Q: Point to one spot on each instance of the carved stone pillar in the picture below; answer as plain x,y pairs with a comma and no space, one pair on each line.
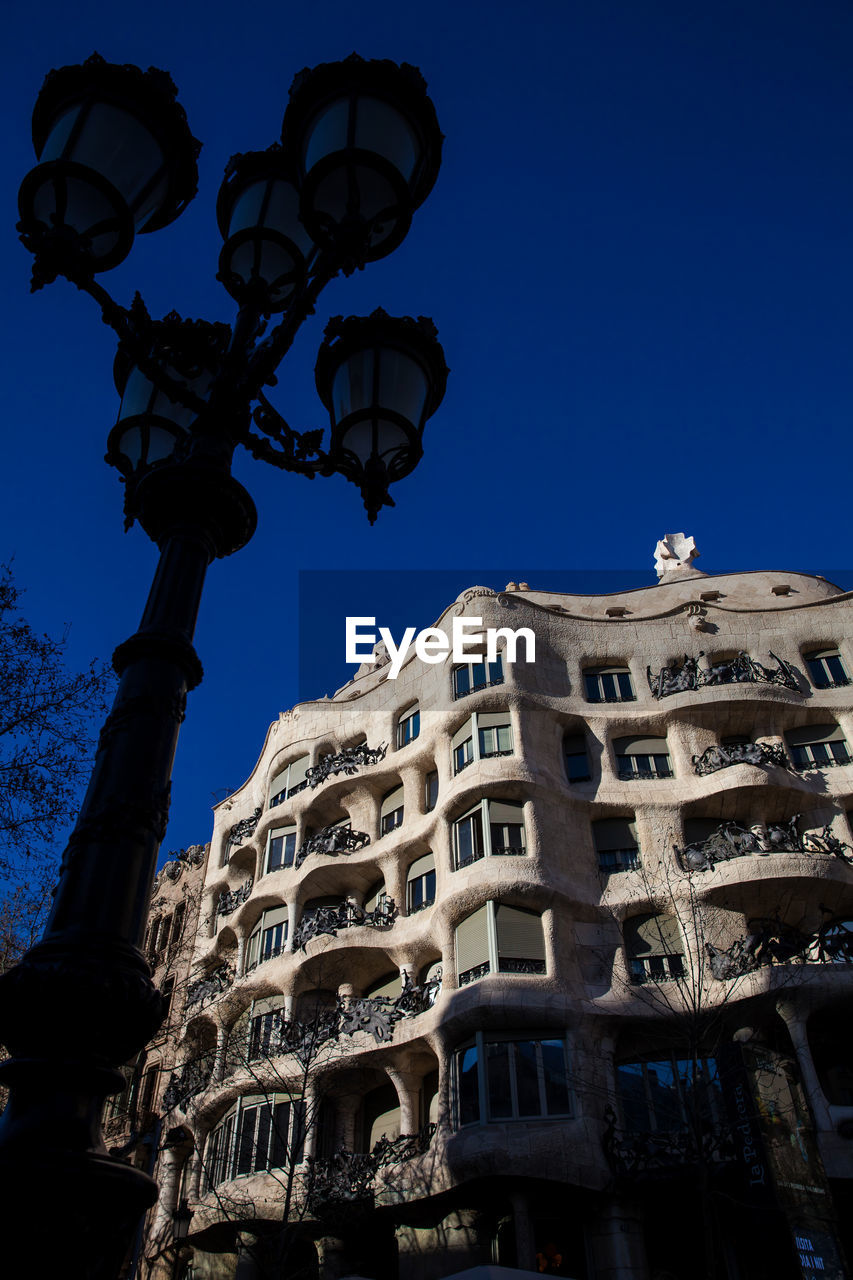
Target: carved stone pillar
168,1179
408,1087
796,1020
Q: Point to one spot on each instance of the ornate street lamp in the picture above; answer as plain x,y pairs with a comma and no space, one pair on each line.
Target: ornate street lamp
360,152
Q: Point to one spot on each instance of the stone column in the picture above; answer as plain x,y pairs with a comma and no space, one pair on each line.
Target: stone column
795,1019
408,1086
168,1178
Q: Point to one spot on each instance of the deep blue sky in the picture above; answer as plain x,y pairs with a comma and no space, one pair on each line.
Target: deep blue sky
639,255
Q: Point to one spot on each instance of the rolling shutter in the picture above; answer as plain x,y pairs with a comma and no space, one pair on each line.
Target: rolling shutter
519,934
472,941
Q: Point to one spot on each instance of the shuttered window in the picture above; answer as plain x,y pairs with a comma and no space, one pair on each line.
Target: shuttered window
493,828
608,684
520,942
499,938
653,947
642,758
391,812
268,937
420,884
408,726
817,746
576,758
281,849
290,781
484,736
264,1024
477,675
616,844
826,669
473,949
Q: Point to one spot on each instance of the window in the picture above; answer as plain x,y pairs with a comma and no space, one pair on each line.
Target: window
577,760
499,939
608,684
281,849
616,844
178,923
380,1117
826,669
669,1094
817,746
408,726
653,947
259,1133
642,758
167,991
377,897
420,884
268,937
388,987
486,735
149,1089
493,828
431,790
477,675
391,812
264,1025
290,781
511,1079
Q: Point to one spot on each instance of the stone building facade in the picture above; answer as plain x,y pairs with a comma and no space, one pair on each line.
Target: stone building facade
540,964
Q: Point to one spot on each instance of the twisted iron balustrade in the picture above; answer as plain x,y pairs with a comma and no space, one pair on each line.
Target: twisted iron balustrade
721,756
231,899
731,840
348,761
210,986
742,669
772,942
332,841
328,920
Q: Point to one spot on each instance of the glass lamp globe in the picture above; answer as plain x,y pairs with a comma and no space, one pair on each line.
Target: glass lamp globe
381,378
116,156
367,148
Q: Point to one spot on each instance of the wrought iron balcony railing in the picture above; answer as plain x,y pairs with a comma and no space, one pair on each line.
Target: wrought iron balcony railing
332,841
681,677
348,761
231,899
348,1178
722,756
773,942
731,840
209,987
329,920
648,1154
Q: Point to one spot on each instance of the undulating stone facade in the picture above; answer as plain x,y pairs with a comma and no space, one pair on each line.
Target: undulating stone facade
544,964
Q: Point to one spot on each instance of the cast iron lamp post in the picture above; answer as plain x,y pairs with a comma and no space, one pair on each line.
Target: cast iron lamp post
360,151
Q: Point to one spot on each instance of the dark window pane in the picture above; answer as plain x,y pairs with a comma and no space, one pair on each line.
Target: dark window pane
281,1120
527,1078
262,1139
664,1096
592,689
632,1095
556,1084
497,1066
469,1087
246,1140
462,680
577,767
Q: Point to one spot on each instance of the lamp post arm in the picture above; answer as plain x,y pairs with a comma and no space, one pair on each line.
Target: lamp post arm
270,352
